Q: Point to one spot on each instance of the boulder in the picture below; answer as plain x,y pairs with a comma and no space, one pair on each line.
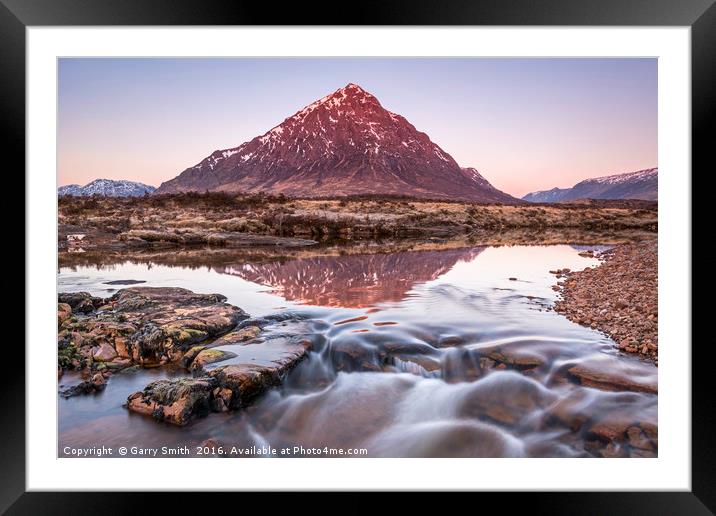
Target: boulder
254,369
104,353
174,401
638,439
98,380
247,378
148,325
95,384
505,398
516,356
64,312
611,379
612,427
173,320
351,355
80,302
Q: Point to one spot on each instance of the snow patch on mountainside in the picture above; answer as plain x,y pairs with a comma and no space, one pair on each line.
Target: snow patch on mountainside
639,175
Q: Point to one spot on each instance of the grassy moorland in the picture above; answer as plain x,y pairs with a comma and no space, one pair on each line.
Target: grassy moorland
220,219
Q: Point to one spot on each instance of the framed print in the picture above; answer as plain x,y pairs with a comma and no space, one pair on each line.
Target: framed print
425,249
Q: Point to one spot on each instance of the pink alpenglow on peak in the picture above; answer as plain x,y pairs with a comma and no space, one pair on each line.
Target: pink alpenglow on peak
345,143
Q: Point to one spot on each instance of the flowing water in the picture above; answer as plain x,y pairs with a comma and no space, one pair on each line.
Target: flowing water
444,353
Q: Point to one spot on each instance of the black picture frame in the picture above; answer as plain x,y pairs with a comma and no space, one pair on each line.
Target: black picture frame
700,15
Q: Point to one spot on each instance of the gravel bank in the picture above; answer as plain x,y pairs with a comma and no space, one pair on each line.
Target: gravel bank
619,297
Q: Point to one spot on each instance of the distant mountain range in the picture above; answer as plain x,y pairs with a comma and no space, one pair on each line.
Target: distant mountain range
107,187
642,184
345,143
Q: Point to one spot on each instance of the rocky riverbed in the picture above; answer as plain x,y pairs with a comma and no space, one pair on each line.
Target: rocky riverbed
430,352
150,327
619,297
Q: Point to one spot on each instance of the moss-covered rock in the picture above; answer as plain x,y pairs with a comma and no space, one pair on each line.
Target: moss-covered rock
186,336
174,401
66,353
228,387
150,326
210,356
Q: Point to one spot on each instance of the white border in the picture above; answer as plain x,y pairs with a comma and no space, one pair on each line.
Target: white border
671,470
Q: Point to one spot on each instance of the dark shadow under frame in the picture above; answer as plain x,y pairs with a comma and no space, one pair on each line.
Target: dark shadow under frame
700,15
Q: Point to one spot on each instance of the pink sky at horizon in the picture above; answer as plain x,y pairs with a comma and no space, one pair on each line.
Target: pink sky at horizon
525,124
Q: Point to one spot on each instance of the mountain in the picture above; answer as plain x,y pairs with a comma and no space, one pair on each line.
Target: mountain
106,187
343,144
642,184
553,195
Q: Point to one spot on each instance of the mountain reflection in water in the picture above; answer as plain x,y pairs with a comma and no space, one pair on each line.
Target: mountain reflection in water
351,281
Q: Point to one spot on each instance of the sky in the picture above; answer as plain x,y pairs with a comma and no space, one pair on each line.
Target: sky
525,123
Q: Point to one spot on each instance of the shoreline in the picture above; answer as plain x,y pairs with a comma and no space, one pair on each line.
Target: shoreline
619,297
202,255
240,221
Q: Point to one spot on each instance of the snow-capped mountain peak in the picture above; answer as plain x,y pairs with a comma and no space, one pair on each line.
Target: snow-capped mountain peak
342,144
641,184
107,187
